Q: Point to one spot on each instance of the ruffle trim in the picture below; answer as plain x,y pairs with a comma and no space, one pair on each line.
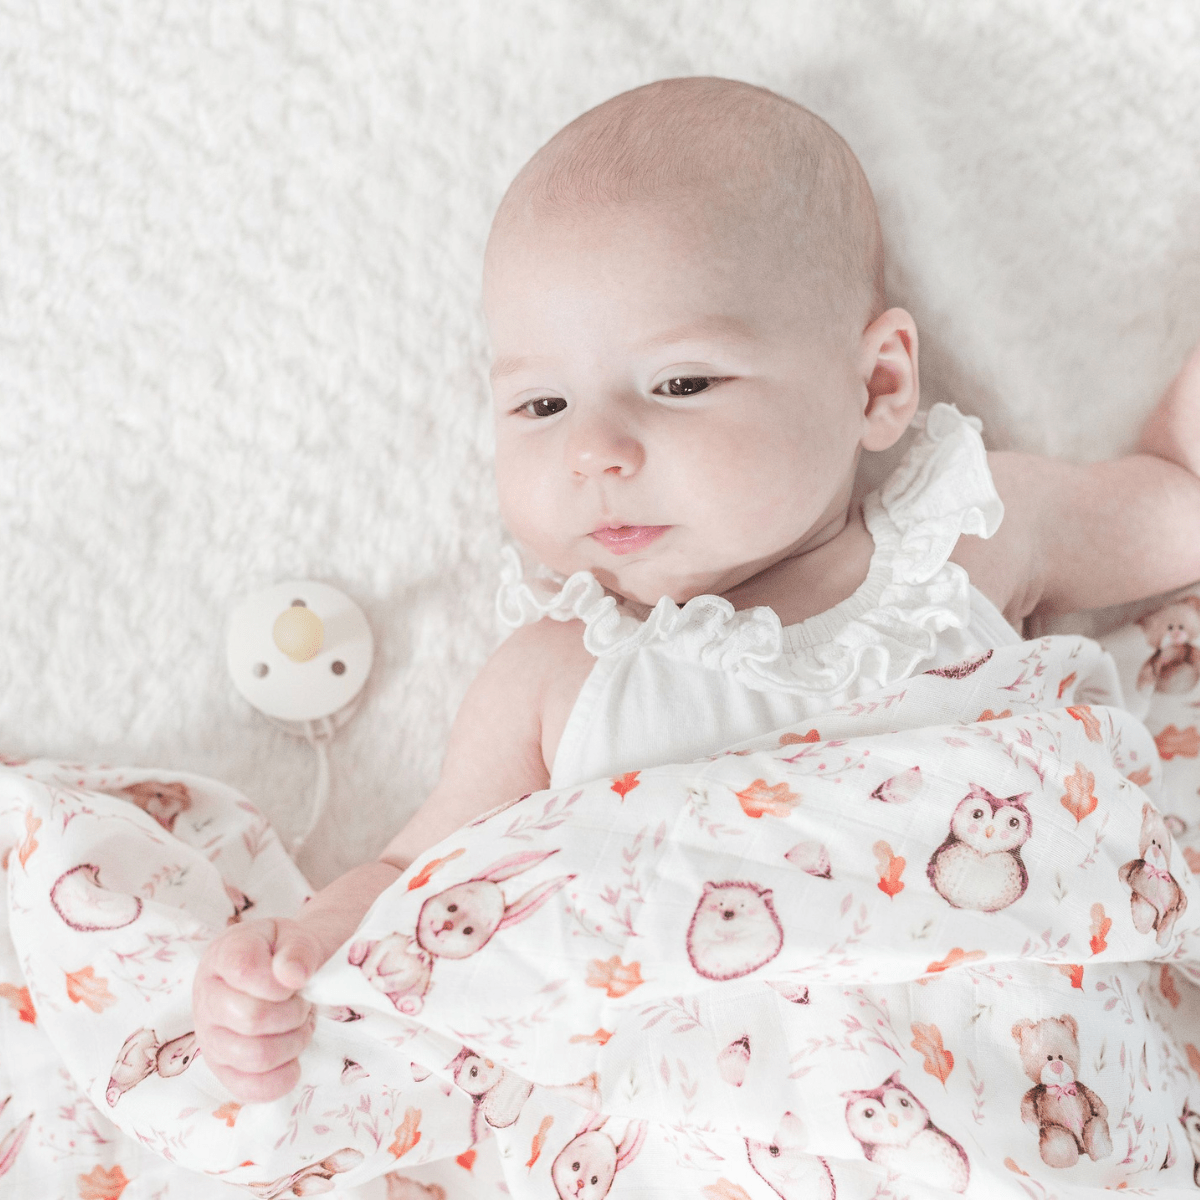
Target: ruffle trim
882,632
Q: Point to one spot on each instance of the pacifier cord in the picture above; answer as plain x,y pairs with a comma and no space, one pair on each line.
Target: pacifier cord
318,734
319,741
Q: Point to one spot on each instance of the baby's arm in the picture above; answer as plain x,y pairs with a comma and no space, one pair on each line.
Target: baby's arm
251,1023
1088,536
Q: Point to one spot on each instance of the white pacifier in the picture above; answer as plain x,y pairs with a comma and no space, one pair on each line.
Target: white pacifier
300,653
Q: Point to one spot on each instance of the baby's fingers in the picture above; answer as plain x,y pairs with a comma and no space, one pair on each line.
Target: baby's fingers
255,1055
248,1088
242,958
216,1003
298,955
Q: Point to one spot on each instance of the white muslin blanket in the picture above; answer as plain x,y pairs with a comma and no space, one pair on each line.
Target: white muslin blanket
938,943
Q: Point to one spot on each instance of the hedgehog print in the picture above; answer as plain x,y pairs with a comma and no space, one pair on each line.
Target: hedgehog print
734,930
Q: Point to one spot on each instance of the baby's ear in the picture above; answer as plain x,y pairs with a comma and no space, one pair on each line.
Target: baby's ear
888,364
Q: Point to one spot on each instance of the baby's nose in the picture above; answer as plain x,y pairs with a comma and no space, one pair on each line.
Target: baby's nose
601,446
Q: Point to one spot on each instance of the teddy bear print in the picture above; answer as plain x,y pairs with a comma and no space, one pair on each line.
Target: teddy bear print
733,931
454,923
499,1094
87,906
895,1130
162,801
311,1180
1070,1118
1173,631
1156,899
785,1166
979,865
584,1169
142,1056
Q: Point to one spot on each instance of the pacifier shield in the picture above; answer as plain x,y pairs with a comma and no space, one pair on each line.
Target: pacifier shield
299,650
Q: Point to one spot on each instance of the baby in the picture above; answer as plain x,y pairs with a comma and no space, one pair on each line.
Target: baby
684,294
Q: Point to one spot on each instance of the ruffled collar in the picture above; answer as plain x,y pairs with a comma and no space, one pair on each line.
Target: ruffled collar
882,631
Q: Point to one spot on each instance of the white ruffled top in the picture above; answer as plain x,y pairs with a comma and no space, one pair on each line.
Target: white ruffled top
887,627
915,609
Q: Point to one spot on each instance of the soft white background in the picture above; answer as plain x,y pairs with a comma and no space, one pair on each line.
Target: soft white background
240,336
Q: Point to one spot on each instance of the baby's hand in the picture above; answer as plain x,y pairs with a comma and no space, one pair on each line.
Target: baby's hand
250,1023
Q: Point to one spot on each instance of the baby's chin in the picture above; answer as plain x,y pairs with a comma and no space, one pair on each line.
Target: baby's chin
648,586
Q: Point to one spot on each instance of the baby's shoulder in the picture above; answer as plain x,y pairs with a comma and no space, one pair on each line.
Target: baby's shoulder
541,665
539,670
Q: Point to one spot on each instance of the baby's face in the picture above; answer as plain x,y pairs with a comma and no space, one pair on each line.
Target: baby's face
670,414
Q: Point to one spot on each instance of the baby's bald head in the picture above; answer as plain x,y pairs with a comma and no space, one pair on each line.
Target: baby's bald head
753,164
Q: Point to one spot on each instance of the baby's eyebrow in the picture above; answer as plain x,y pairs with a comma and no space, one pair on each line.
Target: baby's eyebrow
507,365
728,328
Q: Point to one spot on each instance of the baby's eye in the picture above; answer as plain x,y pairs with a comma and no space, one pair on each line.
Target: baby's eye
684,385
543,406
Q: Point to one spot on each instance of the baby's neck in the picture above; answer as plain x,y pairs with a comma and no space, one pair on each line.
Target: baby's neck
824,573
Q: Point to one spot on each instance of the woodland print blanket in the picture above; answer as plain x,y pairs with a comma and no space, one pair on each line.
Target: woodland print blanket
940,943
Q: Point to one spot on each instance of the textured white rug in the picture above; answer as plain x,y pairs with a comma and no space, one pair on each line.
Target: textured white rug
240,337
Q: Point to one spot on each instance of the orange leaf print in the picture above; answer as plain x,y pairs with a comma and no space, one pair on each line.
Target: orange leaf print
1074,972
624,784
1192,858
99,1184
1141,776
723,1189
988,715
600,1037
408,1133
1091,726
466,1159
1066,683
87,987
614,976
955,958
1166,985
421,878
1080,800
1012,1166
1100,927
758,798
1193,1057
30,844
939,1062
227,1112
1171,742
20,999
797,739
539,1140
891,867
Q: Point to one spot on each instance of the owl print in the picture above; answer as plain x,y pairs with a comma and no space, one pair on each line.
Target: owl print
734,930
979,864
894,1130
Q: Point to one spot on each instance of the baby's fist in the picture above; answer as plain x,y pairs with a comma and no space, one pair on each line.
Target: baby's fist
250,1024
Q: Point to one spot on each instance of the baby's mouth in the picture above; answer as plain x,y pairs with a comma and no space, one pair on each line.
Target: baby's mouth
625,539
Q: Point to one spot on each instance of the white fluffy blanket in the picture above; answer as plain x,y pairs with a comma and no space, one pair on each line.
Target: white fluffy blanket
937,944
240,339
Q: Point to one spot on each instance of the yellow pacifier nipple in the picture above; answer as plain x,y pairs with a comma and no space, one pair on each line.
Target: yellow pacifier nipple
299,633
